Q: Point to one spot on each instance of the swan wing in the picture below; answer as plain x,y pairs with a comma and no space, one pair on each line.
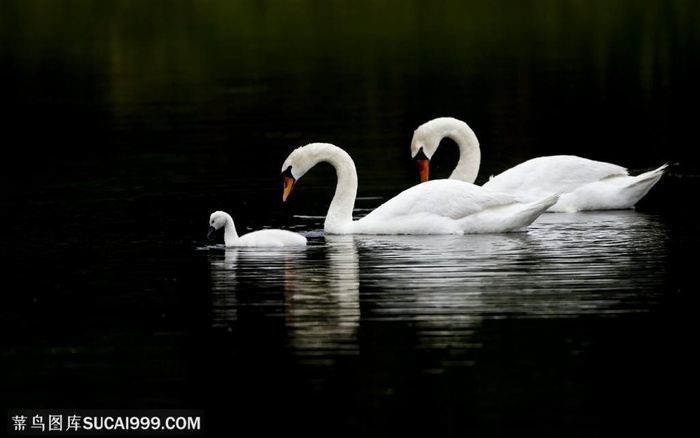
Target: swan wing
540,176
447,198
436,207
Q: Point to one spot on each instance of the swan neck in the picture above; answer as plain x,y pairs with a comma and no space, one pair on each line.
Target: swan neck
339,217
467,167
230,233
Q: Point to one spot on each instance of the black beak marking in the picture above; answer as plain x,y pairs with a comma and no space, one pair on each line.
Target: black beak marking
421,155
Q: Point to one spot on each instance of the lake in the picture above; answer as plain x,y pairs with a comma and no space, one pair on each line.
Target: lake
128,123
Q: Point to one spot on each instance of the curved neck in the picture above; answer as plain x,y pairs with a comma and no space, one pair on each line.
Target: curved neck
339,216
467,167
230,234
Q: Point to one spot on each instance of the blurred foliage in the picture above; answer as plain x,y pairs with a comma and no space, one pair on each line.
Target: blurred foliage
519,71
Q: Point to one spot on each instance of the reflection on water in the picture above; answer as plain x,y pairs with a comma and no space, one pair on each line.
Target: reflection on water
566,265
320,288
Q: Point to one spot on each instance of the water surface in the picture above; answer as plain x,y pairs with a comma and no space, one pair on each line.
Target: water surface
392,324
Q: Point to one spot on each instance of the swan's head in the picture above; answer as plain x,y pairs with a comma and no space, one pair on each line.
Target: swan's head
304,158
422,161
423,145
216,221
427,138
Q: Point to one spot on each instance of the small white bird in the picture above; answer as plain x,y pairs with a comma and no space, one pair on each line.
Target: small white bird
267,238
584,184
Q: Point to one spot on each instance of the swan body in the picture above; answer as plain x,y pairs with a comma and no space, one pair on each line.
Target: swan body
584,184
435,207
261,238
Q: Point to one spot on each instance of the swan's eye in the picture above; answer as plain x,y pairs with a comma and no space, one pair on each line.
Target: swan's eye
287,177
420,155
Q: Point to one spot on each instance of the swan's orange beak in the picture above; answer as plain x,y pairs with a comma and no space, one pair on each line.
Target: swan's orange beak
423,168
288,182
423,163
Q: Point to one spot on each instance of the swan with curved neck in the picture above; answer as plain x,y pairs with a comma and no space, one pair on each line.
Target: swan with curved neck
429,135
436,207
584,184
270,237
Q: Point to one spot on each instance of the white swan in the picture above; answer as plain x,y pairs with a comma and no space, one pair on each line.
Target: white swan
434,207
584,184
220,219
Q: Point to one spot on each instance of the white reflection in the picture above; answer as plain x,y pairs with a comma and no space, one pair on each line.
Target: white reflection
437,283
223,286
323,307
566,265
256,272
317,289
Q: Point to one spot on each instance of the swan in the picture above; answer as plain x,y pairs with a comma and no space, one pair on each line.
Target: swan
584,184
434,207
267,238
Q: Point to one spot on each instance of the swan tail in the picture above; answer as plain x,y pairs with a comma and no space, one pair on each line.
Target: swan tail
544,203
614,193
642,183
651,177
511,217
535,209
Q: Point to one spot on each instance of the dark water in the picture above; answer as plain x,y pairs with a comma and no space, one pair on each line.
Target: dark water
127,123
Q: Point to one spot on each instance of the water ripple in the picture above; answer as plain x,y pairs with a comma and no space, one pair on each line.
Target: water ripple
566,265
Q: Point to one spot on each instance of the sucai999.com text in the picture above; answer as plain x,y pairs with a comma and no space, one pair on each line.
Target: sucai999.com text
31,423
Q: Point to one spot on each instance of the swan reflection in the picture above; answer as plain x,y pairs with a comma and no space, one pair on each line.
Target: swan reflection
565,265
323,306
445,287
317,289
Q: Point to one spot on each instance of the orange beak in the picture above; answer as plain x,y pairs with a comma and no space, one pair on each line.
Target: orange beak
288,185
423,168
